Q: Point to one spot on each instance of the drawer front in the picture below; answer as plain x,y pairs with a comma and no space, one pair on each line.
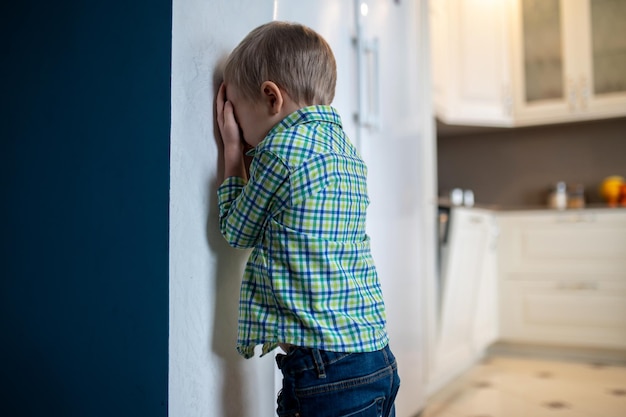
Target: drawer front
567,243
582,313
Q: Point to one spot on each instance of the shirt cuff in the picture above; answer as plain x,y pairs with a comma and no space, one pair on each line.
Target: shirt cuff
228,191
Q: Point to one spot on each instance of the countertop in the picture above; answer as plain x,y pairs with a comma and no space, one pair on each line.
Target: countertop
445,202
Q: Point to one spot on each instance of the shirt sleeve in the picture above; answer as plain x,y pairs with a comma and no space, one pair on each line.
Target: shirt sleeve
244,208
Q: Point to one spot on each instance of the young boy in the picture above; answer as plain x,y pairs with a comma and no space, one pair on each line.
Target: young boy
310,284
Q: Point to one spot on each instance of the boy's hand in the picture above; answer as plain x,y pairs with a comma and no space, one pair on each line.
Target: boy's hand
229,129
234,164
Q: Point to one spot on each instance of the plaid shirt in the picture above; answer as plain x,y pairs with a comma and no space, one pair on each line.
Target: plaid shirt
310,279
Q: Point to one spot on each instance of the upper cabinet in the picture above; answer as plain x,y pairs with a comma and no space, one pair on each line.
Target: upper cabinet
528,62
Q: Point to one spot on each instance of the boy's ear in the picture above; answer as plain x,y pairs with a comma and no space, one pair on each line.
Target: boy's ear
272,97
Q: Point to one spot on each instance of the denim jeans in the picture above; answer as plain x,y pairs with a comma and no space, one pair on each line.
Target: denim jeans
319,383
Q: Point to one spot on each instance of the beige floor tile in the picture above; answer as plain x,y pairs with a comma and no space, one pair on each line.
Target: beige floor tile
528,387
439,411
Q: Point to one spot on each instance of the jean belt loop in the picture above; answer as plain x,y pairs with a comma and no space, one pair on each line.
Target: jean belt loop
319,363
386,352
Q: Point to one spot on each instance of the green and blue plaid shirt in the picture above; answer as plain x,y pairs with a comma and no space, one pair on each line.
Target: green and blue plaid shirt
310,279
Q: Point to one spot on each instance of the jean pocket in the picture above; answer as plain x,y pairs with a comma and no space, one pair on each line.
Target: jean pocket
375,409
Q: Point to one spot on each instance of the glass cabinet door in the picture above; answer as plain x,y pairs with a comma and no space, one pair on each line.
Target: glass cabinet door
608,44
543,50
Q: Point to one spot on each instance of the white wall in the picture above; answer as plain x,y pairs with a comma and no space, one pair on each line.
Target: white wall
206,376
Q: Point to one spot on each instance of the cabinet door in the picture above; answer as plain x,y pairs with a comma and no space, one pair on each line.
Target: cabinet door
568,60
468,239
543,60
466,321
486,321
602,82
470,67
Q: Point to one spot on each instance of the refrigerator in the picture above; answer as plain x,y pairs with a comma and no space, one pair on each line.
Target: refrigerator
383,97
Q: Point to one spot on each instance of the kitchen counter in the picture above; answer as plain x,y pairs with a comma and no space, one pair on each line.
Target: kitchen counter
445,202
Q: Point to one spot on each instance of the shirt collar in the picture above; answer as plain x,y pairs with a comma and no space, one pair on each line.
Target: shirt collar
301,116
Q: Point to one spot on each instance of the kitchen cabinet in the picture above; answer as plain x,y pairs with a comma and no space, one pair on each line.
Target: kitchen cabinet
467,321
562,278
528,62
470,65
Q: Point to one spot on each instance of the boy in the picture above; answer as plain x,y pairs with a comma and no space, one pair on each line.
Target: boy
310,284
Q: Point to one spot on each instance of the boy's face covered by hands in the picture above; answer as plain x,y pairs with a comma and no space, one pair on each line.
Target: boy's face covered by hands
237,116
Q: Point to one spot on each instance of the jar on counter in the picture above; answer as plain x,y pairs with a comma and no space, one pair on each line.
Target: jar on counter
576,196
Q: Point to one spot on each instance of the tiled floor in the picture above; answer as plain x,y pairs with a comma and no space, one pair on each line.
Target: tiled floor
505,386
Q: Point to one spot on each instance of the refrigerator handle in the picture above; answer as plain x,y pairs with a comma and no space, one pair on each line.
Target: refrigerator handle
368,76
372,99
369,83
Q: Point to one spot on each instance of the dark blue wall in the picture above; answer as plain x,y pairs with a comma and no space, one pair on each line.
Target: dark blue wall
84,178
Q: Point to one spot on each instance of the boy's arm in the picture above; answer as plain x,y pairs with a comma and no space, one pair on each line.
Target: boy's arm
244,210
234,165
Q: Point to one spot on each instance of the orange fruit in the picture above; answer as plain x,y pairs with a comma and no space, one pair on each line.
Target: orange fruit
610,188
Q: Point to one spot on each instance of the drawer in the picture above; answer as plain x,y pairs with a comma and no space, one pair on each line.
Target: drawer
566,311
567,243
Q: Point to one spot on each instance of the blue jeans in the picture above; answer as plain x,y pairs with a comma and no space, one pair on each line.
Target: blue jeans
319,383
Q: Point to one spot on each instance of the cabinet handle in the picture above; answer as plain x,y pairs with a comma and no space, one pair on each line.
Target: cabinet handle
368,75
372,102
476,220
578,286
576,218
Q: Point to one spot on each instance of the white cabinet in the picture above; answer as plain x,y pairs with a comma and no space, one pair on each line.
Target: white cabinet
470,64
467,321
563,278
528,62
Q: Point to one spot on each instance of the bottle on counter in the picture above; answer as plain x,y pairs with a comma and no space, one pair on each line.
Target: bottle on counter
456,197
468,198
558,196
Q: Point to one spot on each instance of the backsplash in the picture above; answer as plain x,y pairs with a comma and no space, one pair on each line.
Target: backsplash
513,167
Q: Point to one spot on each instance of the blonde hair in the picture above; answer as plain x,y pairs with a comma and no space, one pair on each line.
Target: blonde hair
291,55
